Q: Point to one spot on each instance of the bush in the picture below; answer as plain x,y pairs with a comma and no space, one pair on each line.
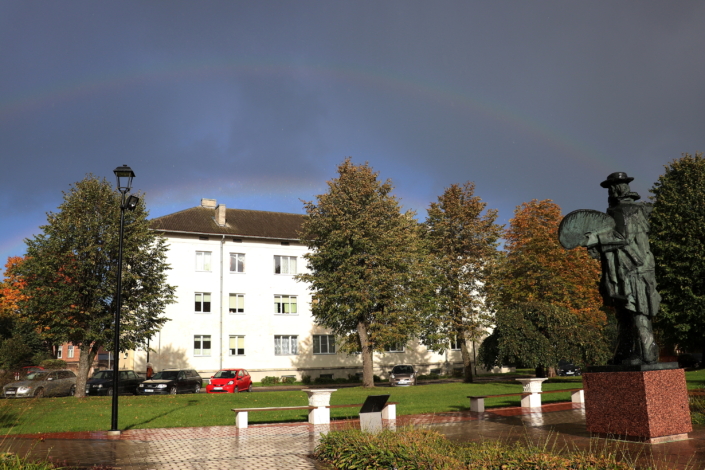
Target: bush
428,377
53,364
268,380
687,361
306,379
376,378
417,449
288,380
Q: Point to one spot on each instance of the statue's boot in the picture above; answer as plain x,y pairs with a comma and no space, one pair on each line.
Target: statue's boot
649,348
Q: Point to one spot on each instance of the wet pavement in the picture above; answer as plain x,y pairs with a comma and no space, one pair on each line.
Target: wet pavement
288,446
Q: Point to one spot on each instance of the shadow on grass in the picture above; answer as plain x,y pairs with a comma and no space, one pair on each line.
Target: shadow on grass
153,418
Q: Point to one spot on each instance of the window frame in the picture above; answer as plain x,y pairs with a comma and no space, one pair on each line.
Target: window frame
455,342
241,257
203,261
292,340
330,342
69,351
288,265
203,302
230,303
279,307
202,339
230,350
60,352
393,348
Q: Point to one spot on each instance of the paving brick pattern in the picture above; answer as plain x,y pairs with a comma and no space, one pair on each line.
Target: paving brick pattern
287,446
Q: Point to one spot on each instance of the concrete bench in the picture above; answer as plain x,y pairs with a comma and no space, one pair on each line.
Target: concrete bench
241,414
477,403
316,414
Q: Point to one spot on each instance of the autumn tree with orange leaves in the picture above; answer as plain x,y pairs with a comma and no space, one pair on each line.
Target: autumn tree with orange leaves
536,270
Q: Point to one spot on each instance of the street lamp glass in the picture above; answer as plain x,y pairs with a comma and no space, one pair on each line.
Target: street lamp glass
124,176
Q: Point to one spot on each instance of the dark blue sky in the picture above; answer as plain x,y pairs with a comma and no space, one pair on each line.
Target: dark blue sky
256,103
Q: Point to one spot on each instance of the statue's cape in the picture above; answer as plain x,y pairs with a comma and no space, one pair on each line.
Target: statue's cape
574,226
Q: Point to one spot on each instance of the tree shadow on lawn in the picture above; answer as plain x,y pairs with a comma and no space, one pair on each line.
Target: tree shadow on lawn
153,418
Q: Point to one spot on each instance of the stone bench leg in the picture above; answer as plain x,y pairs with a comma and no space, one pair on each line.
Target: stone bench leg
577,397
477,405
532,400
241,419
319,415
389,412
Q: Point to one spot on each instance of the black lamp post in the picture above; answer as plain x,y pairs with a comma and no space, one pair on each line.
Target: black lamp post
124,176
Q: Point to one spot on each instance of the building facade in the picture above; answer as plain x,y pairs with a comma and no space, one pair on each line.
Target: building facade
238,303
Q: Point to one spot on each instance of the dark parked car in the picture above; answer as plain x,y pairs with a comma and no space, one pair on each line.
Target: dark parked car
402,375
566,369
172,381
102,382
43,383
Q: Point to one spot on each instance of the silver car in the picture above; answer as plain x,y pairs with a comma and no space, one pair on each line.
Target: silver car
45,383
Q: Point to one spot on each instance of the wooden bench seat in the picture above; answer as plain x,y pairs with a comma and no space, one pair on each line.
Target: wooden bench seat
241,414
477,402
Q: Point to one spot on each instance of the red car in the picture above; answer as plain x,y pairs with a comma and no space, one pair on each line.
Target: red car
230,381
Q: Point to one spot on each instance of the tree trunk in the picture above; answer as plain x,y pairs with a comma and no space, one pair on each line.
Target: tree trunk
366,352
467,359
551,372
85,361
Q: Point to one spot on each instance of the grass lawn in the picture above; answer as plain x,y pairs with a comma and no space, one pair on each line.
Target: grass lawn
28,416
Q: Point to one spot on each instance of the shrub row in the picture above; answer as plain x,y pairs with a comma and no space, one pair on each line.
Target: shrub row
417,449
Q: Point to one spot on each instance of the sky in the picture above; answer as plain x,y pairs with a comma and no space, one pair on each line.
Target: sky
255,104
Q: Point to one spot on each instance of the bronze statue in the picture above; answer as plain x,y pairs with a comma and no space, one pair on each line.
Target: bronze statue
620,240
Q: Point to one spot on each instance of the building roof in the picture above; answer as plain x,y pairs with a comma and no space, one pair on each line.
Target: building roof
238,222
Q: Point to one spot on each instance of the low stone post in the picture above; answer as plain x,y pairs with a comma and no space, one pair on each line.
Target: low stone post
320,398
533,388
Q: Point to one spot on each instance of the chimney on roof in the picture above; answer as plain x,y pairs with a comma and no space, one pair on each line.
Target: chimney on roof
208,203
220,215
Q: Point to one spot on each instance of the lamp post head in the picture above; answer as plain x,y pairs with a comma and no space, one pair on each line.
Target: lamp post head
124,176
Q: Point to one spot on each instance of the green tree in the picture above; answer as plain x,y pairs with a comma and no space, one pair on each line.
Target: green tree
536,269
69,274
463,245
677,239
537,334
368,267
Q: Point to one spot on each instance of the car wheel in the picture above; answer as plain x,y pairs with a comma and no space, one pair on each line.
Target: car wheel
39,393
249,389
72,392
109,392
197,389
172,391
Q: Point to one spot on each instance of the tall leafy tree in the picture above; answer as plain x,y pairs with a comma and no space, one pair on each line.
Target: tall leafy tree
537,334
677,240
70,274
463,245
536,269
368,266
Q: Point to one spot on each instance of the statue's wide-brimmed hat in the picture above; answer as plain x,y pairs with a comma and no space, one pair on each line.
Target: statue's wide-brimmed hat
616,178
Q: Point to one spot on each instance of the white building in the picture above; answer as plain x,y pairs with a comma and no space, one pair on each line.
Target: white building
239,305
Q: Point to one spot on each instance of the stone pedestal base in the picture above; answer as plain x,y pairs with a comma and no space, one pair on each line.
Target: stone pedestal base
648,406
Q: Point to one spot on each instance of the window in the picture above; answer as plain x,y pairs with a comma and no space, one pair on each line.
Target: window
203,302
395,347
285,345
454,344
202,345
203,261
323,344
70,351
285,304
237,262
237,303
237,345
284,264
59,352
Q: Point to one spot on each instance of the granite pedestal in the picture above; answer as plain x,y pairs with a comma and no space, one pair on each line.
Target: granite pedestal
641,403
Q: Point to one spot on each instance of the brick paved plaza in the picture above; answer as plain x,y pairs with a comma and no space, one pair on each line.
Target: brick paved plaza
288,446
